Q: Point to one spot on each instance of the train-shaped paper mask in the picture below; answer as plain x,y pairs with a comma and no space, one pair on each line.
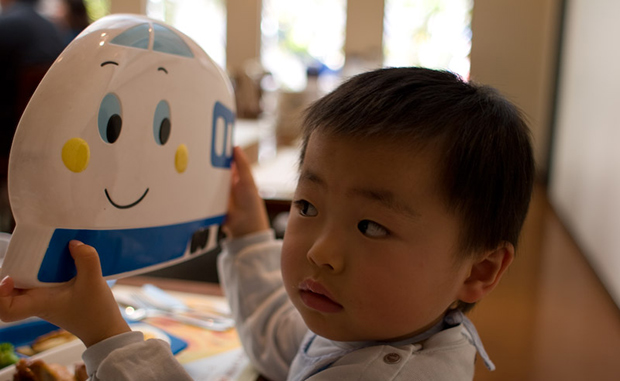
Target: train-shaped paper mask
126,145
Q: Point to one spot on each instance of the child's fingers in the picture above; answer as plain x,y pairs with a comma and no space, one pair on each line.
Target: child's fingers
246,210
86,260
7,286
243,168
19,305
239,157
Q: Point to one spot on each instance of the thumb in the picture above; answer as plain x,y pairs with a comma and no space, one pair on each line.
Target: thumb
7,286
243,168
86,260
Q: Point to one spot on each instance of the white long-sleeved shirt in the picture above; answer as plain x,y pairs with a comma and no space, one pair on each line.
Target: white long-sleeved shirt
280,345
282,348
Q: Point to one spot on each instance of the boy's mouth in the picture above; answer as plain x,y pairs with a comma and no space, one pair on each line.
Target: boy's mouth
314,295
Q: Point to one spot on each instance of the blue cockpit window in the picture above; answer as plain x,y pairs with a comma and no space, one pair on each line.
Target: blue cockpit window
167,41
136,37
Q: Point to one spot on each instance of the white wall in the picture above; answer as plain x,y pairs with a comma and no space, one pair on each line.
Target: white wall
128,6
513,49
585,181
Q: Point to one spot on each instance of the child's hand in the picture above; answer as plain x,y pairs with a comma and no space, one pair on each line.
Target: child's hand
84,306
246,209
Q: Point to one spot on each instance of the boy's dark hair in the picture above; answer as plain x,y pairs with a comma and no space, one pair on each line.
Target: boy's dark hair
486,167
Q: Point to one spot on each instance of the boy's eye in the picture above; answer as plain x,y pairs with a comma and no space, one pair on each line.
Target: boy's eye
306,208
372,229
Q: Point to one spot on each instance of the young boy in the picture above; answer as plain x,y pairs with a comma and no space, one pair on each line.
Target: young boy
412,192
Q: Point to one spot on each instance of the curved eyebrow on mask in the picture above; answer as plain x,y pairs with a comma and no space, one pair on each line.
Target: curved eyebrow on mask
109,63
162,69
385,197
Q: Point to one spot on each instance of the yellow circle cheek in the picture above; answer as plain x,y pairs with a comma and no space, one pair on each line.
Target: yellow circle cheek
76,154
180,158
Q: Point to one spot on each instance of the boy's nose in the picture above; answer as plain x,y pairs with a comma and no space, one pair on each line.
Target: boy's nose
326,252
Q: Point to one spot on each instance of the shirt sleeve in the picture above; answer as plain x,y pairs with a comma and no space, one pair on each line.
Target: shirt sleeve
270,328
128,357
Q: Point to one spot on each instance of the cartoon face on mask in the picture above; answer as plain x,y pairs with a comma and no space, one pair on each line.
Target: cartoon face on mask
126,145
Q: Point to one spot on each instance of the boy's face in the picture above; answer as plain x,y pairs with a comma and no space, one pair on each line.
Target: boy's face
370,249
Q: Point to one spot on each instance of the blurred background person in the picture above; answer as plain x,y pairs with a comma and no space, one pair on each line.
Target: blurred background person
29,44
72,17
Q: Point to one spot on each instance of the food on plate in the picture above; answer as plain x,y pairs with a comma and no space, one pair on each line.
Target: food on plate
47,341
7,355
39,370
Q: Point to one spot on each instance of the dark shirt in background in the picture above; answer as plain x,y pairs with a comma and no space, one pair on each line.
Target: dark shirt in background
29,44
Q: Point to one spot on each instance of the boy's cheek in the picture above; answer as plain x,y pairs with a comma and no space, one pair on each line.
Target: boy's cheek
289,271
286,260
297,239
292,260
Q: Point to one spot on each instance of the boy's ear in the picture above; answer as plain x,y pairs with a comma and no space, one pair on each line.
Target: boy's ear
486,272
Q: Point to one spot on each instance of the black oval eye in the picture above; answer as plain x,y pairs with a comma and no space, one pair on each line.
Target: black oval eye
113,129
109,119
161,123
164,130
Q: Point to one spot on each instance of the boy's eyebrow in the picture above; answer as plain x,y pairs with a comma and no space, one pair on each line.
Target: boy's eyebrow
384,197
312,177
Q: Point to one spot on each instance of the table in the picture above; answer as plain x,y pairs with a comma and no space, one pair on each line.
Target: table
210,356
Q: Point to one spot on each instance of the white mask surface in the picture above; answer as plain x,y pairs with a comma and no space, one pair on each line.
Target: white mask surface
126,145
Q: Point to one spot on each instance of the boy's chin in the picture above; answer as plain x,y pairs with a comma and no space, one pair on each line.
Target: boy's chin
336,336
336,332
339,327
322,326
346,332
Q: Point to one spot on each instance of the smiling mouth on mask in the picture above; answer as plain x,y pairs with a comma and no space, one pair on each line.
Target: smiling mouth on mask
127,206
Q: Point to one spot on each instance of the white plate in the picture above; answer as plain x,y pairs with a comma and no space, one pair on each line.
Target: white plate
70,353
66,354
